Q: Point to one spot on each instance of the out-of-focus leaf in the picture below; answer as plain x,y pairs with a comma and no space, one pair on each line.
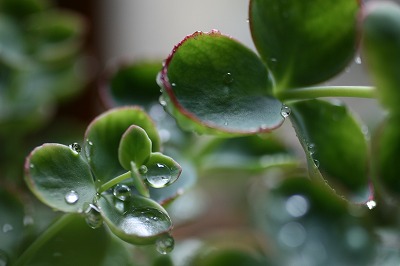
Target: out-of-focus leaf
304,42
335,146
381,46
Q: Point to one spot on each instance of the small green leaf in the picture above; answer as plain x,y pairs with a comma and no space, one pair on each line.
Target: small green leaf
381,46
388,157
103,138
135,146
59,177
137,220
304,42
213,84
162,170
138,181
335,146
132,83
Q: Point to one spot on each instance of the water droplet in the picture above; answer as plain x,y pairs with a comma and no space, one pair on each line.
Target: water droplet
93,216
7,228
165,244
32,165
173,84
297,205
162,100
311,148
228,78
71,197
145,222
158,175
371,204
75,147
122,192
143,169
358,60
285,111
316,163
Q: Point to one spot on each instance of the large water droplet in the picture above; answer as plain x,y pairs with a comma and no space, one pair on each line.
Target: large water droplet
122,192
165,244
93,217
75,147
158,175
285,111
145,222
228,78
71,197
7,228
371,204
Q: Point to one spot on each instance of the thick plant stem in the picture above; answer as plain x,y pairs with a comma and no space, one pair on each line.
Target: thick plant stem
326,91
42,239
114,182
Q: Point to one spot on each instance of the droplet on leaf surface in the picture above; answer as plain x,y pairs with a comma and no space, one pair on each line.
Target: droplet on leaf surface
145,222
158,175
71,197
75,147
93,216
285,111
228,78
122,192
143,169
165,244
371,204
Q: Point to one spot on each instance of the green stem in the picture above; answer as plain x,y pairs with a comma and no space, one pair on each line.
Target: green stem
44,238
327,91
114,182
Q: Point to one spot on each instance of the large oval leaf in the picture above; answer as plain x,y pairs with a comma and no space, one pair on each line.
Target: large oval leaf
137,220
381,46
59,177
335,146
103,136
132,83
304,42
388,157
213,84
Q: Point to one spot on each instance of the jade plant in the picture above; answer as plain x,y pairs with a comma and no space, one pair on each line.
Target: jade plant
122,183
108,179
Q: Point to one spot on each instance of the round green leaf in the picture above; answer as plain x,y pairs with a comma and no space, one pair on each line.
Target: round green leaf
388,156
135,146
103,136
59,177
137,220
132,83
304,42
381,46
162,170
213,84
335,146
